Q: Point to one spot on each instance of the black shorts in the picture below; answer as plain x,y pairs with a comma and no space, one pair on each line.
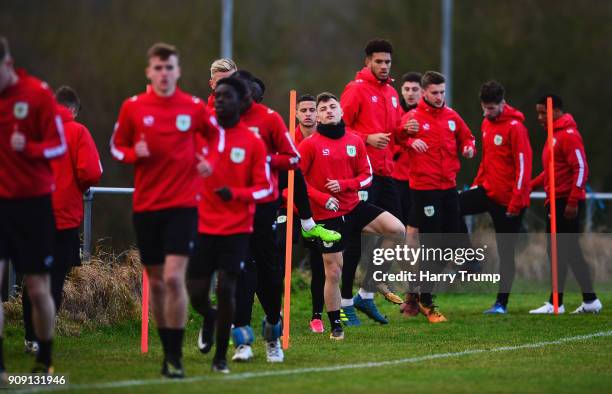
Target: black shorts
384,194
218,252
349,225
67,248
408,216
27,231
164,232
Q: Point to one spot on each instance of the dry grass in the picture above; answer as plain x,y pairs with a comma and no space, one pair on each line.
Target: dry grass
105,291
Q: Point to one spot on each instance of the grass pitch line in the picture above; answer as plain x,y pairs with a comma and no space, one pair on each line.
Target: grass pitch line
332,368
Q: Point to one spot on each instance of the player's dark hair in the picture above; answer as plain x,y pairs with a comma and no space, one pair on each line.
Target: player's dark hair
378,45
556,100
306,97
68,97
4,48
325,97
412,76
236,83
491,92
432,78
162,51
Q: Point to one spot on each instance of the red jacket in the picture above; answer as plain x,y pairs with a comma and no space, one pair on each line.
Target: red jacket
371,106
210,102
29,107
240,164
401,164
344,159
505,169
445,133
571,168
282,153
74,172
168,178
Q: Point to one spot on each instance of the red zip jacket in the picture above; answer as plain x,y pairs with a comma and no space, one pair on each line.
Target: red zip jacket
240,164
282,153
445,133
371,106
74,172
168,178
401,165
505,169
571,168
29,107
344,159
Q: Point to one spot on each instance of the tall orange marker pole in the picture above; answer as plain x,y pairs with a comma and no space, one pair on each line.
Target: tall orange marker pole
144,325
553,204
289,237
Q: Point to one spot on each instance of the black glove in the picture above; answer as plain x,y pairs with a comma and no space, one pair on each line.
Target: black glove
225,193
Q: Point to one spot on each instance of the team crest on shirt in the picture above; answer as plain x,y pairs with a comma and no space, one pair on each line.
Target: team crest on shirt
20,110
498,140
429,211
451,125
148,120
351,150
394,101
183,122
237,155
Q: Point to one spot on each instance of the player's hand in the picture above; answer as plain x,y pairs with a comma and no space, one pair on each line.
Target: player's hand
18,141
333,185
224,192
571,211
411,127
379,140
204,168
468,151
332,204
419,146
141,149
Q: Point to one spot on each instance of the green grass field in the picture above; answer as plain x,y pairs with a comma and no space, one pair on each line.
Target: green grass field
108,359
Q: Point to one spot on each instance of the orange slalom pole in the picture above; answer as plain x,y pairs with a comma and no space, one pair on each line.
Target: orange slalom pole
553,204
289,236
144,327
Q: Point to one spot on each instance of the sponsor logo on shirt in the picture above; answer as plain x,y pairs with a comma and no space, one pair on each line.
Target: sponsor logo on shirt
237,155
394,101
429,211
20,110
426,126
374,99
183,122
148,120
451,125
498,139
325,152
351,150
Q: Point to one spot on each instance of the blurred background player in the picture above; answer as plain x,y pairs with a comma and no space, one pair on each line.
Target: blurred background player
155,132
571,173
411,93
226,210
336,166
372,109
74,173
34,135
433,172
501,187
220,68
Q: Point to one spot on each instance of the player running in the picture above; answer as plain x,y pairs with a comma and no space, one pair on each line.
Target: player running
156,133
336,166
33,135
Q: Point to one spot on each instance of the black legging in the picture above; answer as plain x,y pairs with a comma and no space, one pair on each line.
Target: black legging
475,201
58,276
317,281
569,252
199,294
